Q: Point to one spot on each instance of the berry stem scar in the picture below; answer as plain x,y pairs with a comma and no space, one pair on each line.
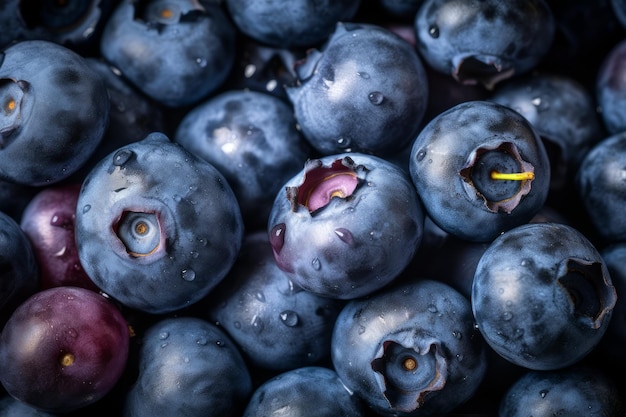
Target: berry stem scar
514,176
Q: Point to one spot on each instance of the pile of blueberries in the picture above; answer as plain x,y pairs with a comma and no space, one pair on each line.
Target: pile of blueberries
357,208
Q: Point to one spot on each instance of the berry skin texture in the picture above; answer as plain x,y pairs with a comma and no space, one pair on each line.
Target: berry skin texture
346,225
353,96
453,161
188,367
573,392
542,296
54,110
484,42
611,89
304,392
176,52
410,350
156,227
602,189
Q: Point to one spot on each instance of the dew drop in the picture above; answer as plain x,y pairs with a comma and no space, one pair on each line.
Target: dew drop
186,359
543,393
72,333
249,70
260,296
201,62
343,142
202,341
177,198
363,75
459,357
122,156
188,274
432,308
345,235
420,155
61,220
164,335
61,252
376,98
237,325
506,316
277,237
433,31
257,324
316,264
361,329
289,318
220,343
457,334
163,345
86,208
194,254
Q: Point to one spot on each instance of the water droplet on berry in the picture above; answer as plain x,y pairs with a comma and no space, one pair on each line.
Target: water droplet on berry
237,325
61,252
249,70
457,335
543,393
277,237
72,333
433,31
432,308
202,341
122,156
420,155
188,274
257,324
164,335
289,318
363,75
361,329
507,315
343,142
316,264
345,235
260,296
201,62
61,220
194,254
86,208
376,97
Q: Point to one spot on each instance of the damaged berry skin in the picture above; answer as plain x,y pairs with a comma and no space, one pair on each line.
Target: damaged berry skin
157,228
542,296
454,157
54,110
353,96
175,51
484,42
346,225
410,350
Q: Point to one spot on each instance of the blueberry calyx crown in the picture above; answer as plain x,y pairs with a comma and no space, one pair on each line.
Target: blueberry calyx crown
322,183
139,232
498,175
408,374
12,94
158,14
591,296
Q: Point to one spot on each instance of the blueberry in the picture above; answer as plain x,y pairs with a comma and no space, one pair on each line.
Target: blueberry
188,366
276,324
12,407
251,138
611,89
304,392
410,350
346,225
54,111
601,187
19,268
562,111
615,257
484,42
175,51
542,295
156,227
456,165
304,23
576,392
353,96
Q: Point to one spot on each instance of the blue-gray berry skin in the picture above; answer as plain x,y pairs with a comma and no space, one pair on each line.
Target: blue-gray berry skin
602,189
156,227
410,350
353,96
176,52
611,344
54,112
484,42
301,24
574,392
542,296
188,367
304,392
564,114
610,89
277,325
346,225
251,138
454,156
